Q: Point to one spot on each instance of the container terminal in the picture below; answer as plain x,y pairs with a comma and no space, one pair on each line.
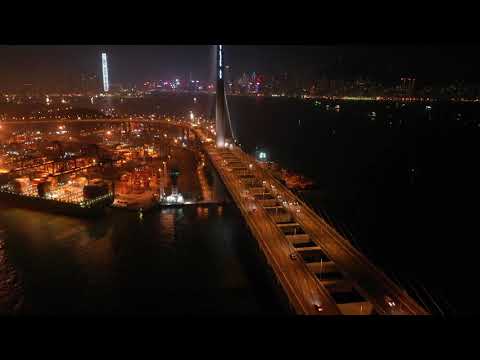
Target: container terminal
83,168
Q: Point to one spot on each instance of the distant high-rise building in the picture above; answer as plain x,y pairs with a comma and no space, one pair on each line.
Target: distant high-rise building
323,85
27,90
90,83
242,83
286,83
407,85
106,85
228,79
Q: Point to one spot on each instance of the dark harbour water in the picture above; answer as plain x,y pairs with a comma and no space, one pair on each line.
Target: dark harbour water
191,261
402,186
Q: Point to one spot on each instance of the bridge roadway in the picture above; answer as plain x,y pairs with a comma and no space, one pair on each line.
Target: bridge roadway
301,285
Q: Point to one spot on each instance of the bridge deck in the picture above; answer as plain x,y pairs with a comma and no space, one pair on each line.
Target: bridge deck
371,289
300,285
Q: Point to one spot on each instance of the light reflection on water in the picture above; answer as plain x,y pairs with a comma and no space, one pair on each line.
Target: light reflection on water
11,289
173,262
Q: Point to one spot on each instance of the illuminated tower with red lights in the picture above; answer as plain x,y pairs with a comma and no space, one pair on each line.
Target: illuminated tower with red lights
222,115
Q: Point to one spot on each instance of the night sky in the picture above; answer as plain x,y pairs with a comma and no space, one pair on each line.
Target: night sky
48,66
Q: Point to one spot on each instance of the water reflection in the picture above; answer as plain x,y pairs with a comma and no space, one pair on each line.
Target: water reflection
176,261
11,290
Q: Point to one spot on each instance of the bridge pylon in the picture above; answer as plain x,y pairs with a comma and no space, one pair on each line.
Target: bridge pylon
222,117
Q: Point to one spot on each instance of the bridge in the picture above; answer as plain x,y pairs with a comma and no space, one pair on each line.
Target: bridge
320,272
318,269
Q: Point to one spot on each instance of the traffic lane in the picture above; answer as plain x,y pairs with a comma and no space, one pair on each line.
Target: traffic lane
313,294
308,287
261,227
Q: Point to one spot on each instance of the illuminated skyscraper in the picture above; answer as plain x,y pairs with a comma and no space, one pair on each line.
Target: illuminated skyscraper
407,86
106,85
222,115
228,78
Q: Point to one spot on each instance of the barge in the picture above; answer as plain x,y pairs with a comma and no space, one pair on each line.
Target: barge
91,207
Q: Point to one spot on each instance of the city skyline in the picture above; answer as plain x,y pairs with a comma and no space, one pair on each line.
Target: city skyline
63,66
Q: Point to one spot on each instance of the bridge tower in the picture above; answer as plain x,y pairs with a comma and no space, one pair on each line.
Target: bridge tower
222,115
